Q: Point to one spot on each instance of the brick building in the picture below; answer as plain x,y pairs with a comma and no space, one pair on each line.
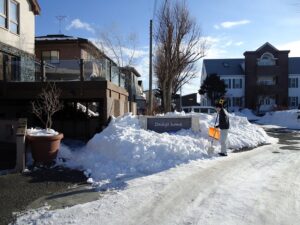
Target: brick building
265,79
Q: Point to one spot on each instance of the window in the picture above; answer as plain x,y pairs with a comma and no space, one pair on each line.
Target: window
267,59
293,101
13,16
237,83
293,82
227,82
3,13
9,67
115,75
51,56
9,16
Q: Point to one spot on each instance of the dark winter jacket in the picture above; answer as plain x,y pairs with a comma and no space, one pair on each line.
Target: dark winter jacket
223,120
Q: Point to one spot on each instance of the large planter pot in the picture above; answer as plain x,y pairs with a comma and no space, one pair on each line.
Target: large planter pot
44,149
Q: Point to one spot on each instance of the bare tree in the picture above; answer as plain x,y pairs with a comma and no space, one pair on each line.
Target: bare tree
179,47
46,104
120,48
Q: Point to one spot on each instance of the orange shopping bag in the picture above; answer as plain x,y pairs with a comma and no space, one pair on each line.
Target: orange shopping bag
214,133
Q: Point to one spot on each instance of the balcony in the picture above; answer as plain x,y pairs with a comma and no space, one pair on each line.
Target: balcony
263,88
61,71
267,70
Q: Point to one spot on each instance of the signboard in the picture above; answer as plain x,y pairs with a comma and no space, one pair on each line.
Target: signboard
168,124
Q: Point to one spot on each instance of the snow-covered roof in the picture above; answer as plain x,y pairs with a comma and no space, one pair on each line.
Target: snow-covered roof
55,37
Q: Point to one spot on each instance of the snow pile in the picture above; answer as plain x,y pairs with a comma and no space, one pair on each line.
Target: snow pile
247,113
41,132
125,149
287,118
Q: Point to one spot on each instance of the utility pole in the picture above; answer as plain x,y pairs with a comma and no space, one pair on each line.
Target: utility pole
150,71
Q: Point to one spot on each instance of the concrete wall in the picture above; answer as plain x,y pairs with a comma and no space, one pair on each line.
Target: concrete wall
25,39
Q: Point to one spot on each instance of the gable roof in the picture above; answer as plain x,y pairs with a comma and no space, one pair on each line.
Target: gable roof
236,66
265,45
35,7
224,66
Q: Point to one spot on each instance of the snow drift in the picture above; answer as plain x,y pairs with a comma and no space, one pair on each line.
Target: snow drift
125,149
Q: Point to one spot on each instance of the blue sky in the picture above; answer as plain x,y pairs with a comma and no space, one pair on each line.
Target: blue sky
231,26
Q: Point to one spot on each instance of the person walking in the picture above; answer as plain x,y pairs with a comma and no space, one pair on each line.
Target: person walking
224,127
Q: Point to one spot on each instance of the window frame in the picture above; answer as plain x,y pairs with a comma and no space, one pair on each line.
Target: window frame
10,20
237,83
51,60
4,15
293,82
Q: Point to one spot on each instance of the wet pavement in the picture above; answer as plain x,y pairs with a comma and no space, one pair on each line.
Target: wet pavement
17,191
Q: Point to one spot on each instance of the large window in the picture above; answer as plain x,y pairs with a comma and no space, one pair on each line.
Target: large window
293,82
51,56
9,67
227,82
237,83
3,13
13,16
9,16
267,59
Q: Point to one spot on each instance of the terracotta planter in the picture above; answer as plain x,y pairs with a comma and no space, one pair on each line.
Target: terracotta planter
44,149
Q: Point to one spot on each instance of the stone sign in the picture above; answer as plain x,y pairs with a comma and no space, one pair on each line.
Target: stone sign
168,124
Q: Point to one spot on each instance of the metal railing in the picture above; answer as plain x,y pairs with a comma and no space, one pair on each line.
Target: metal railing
62,70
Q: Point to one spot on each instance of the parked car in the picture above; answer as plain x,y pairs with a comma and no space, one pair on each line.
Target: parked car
199,109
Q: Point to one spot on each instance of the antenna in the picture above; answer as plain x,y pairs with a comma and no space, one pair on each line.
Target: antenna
60,19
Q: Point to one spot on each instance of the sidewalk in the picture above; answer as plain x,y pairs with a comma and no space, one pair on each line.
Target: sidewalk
58,186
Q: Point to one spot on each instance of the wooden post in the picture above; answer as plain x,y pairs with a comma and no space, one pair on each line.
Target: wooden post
43,70
81,70
20,142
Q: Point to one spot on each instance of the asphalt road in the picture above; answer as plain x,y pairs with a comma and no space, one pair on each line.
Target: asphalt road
18,190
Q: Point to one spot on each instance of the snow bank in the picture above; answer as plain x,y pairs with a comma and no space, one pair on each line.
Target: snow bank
247,113
287,118
125,149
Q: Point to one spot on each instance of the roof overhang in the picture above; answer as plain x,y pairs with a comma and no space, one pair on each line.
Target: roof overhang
35,7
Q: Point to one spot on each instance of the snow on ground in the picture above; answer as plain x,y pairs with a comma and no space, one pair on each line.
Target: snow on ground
174,165
124,149
288,119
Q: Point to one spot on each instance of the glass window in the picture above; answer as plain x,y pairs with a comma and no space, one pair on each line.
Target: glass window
115,75
3,13
267,59
293,82
51,56
227,82
13,16
237,83
2,7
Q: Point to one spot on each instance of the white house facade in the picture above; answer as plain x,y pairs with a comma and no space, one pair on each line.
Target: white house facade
17,32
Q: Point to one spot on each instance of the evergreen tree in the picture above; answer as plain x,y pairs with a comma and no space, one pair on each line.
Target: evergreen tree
213,87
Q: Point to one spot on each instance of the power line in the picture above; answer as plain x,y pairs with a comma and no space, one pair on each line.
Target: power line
154,8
